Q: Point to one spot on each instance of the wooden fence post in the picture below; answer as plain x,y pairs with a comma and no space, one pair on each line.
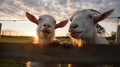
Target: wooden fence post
0,29
118,40
118,35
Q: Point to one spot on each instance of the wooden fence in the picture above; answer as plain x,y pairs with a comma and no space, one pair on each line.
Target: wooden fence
94,54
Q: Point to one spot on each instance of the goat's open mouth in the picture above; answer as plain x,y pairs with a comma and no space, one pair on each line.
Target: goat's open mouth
46,31
74,34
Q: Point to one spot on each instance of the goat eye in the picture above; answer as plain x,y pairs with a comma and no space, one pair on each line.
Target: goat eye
71,19
39,18
90,16
55,22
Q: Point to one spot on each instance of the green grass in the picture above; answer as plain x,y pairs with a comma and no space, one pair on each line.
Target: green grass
11,63
27,39
18,39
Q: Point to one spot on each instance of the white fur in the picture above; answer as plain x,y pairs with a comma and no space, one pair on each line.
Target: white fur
46,38
83,27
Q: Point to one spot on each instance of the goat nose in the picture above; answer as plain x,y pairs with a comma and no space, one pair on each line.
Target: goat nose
47,25
72,26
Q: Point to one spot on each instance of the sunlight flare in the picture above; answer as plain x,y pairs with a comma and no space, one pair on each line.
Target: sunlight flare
34,34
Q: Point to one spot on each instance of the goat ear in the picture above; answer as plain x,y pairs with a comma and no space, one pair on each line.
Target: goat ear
31,18
103,16
61,24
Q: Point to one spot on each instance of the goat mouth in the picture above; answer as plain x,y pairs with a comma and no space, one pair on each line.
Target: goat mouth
46,31
75,34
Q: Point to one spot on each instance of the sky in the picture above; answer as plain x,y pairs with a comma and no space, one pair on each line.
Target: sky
60,9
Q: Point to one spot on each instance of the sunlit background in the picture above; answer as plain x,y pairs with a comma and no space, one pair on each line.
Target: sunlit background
14,21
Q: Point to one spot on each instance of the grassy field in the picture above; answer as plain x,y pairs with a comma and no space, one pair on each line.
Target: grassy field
12,63
20,39
30,39
25,39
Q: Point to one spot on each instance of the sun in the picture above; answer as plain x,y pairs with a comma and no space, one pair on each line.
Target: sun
34,34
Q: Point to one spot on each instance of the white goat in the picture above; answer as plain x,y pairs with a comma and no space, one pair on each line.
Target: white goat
46,33
46,28
83,28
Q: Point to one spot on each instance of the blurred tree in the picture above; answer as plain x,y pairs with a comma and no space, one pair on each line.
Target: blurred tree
101,30
113,35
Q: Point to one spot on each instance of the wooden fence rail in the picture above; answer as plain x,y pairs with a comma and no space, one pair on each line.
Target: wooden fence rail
95,54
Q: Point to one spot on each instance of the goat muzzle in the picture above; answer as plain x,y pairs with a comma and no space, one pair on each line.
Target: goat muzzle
46,31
